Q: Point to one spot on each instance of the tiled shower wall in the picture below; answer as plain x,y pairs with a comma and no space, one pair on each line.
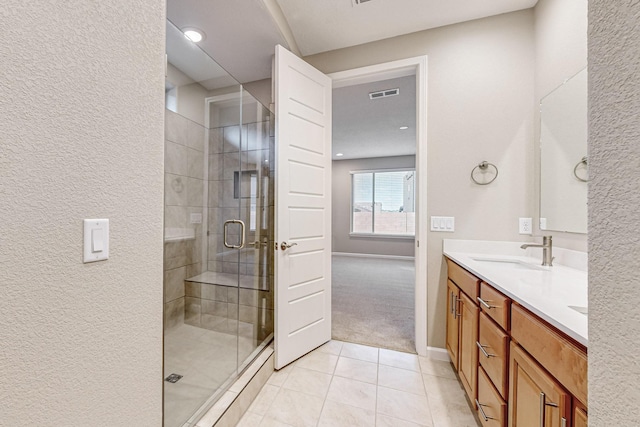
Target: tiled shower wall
226,160
247,311
184,195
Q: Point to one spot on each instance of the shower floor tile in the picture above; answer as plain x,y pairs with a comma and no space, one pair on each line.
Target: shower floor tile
205,359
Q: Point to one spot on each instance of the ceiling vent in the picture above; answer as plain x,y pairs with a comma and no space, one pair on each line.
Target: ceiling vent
384,93
357,2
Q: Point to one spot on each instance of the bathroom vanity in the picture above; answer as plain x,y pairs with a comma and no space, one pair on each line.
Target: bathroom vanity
517,333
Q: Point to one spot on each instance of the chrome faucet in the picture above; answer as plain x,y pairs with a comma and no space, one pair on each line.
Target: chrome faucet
547,247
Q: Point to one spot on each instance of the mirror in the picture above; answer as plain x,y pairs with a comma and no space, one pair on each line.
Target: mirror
563,159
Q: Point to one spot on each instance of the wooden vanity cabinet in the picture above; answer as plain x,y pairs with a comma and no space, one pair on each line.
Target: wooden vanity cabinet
493,344
536,399
491,407
462,326
579,417
453,325
517,369
468,365
495,305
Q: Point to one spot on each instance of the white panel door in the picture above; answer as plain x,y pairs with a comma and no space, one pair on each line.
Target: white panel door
303,208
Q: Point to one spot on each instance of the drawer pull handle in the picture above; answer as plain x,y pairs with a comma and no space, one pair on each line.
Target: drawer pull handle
486,304
481,347
543,405
452,303
564,422
482,411
458,313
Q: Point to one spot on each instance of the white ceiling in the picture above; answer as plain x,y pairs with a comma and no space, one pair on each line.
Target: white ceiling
364,128
323,25
194,62
241,37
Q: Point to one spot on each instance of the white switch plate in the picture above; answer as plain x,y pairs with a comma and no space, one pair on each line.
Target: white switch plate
195,218
96,240
526,226
443,223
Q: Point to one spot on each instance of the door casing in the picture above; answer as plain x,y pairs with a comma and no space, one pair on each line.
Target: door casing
406,67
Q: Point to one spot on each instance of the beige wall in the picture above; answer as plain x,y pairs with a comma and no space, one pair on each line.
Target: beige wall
81,125
480,92
561,52
614,212
341,209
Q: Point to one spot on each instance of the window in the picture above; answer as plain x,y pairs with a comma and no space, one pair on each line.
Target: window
383,202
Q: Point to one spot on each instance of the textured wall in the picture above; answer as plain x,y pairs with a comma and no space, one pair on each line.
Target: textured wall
561,51
614,212
341,211
479,107
81,136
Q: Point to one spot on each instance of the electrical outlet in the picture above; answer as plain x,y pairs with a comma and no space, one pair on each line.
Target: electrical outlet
526,225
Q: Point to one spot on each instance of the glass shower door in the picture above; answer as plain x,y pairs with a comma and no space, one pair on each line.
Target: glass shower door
218,231
255,310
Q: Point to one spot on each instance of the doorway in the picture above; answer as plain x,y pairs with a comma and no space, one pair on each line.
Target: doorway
379,281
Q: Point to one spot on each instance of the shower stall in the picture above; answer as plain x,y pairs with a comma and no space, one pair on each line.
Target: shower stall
218,257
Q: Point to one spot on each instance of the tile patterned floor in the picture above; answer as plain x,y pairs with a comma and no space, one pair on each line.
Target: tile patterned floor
344,384
205,359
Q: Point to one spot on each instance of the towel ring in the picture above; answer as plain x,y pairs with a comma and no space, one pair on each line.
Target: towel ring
582,161
483,167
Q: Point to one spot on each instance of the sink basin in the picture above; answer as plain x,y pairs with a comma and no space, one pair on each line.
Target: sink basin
511,264
581,310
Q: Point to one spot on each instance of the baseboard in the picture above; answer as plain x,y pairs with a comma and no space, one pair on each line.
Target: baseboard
437,353
349,254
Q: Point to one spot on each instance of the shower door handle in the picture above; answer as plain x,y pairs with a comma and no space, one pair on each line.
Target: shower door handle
226,225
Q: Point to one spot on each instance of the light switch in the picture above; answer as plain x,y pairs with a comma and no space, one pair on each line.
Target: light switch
96,240
443,223
449,221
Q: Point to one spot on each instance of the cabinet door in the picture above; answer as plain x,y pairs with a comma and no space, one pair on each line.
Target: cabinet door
453,325
468,369
535,398
579,418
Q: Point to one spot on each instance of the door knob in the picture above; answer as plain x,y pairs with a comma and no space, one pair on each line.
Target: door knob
284,246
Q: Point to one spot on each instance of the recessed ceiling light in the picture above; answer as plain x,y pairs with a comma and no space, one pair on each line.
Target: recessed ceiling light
193,34
404,127
339,155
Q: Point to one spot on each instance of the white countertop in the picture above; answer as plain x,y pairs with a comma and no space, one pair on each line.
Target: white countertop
546,291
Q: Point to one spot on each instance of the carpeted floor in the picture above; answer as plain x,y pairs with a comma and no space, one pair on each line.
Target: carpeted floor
373,302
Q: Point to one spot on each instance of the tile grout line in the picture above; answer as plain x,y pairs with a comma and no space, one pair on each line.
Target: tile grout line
330,382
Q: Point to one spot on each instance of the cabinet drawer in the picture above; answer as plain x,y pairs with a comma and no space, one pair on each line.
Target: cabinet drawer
495,343
467,282
562,358
496,305
492,409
